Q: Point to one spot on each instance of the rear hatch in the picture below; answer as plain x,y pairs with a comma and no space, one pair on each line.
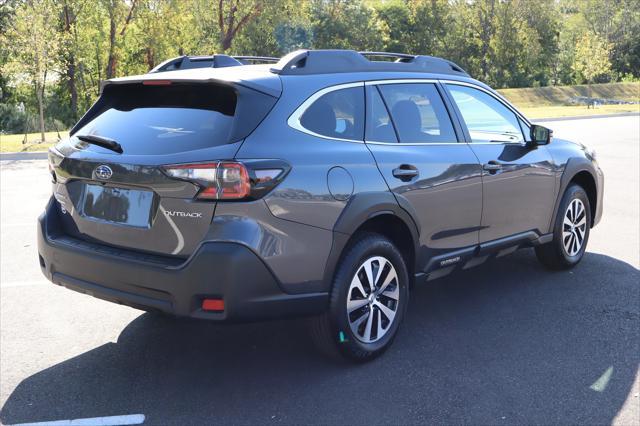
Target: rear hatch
110,177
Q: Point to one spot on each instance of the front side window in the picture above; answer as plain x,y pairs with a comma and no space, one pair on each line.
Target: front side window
418,113
526,130
487,119
337,114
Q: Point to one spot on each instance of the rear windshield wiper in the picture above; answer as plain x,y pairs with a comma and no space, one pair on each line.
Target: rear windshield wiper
101,141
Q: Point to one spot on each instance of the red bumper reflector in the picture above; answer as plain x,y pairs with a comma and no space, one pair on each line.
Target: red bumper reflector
213,305
156,83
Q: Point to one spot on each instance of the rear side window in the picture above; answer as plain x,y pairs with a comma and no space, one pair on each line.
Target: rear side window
155,120
337,114
379,125
418,113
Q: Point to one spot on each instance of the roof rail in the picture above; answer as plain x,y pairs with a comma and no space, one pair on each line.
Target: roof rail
400,57
302,62
189,62
247,60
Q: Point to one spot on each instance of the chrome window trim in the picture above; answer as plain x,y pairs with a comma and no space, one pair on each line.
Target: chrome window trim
414,143
499,98
400,81
294,119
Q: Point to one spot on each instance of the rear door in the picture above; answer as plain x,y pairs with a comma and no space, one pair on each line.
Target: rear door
128,199
518,178
417,148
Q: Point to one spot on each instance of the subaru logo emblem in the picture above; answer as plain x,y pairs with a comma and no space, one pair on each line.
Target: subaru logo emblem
103,172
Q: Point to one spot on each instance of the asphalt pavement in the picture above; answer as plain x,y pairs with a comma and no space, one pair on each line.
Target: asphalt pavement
505,343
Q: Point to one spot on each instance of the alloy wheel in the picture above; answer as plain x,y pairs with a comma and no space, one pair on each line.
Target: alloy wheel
574,227
372,300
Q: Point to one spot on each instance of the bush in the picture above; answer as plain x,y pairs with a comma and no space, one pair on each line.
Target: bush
12,119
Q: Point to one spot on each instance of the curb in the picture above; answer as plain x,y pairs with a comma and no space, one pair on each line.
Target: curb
585,117
20,156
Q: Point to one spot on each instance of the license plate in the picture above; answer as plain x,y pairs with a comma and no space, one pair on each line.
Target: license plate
118,205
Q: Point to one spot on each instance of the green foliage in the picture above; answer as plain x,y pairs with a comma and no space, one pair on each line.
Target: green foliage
345,24
591,62
55,53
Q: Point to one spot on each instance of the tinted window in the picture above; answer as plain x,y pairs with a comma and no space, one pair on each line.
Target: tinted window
337,114
487,119
418,113
379,126
164,119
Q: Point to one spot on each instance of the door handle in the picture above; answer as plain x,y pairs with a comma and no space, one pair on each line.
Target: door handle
405,172
492,166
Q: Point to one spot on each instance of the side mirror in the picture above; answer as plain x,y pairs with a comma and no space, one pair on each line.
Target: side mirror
540,135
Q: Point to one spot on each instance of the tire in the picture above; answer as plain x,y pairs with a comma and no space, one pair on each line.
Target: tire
368,328
570,231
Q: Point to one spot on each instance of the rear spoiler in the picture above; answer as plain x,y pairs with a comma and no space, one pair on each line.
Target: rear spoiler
262,91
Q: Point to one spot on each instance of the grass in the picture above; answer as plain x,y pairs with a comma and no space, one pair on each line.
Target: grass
559,95
14,143
534,102
549,102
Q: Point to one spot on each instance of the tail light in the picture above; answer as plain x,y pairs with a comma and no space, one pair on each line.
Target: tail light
229,180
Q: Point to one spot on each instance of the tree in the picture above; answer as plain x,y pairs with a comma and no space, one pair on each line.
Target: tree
397,23
33,48
70,9
345,24
290,37
7,11
618,23
118,11
591,63
281,27
233,15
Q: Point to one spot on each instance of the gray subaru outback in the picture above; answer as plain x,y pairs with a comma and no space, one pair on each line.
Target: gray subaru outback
322,184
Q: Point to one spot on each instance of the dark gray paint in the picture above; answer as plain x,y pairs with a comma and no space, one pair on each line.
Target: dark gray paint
519,196
447,194
296,253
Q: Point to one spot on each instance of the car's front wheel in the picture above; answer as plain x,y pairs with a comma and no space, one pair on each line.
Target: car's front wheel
368,300
570,233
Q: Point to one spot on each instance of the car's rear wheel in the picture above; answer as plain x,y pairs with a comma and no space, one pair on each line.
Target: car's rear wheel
368,300
570,233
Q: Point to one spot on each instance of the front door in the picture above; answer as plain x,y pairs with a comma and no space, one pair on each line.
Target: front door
518,178
416,147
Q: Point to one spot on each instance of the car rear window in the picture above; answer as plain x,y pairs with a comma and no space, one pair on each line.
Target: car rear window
164,119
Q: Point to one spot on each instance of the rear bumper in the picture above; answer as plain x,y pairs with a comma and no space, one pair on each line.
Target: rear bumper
226,270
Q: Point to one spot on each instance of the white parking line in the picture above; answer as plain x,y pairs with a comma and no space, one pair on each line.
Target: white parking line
131,419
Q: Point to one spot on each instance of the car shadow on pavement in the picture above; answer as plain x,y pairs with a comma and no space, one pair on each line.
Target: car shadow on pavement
507,342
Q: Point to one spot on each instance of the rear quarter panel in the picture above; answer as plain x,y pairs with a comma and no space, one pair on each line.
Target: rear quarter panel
304,195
